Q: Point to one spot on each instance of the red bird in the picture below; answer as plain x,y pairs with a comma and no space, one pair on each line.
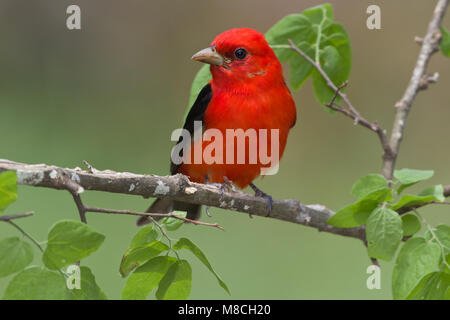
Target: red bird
247,91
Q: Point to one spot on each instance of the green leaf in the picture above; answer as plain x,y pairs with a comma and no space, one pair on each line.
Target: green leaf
409,177
176,283
436,191
144,236
384,233
8,189
15,255
172,224
326,42
442,233
417,258
337,68
445,267
410,224
89,289
434,286
69,242
368,184
201,79
185,243
445,43
145,278
133,257
300,69
36,283
356,214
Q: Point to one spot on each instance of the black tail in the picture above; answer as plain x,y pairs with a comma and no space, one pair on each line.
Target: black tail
167,206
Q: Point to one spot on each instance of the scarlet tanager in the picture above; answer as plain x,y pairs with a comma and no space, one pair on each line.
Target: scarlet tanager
247,91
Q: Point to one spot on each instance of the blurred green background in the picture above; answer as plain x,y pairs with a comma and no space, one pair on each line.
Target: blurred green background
113,92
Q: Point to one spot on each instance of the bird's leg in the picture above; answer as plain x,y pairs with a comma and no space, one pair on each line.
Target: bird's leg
207,207
259,193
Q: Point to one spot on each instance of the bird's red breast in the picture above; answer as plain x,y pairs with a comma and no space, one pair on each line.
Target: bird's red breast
248,91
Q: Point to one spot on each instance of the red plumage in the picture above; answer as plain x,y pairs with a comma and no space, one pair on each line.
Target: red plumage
247,91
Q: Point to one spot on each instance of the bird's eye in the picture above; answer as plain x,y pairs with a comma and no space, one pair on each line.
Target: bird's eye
240,53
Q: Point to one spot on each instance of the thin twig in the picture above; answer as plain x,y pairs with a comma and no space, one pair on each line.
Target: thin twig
146,214
90,167
80,206
16,216
26,234
327,79
8,219
407,209
336,93
75,190
351,112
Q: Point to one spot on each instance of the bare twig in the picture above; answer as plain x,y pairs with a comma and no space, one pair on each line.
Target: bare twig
80,206
90,167
351,111
75,190
26,234
419,81
16,216
327,79
407,209
8,219
146,214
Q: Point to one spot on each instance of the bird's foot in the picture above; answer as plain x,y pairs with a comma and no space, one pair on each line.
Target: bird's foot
224,186
259,193
221,186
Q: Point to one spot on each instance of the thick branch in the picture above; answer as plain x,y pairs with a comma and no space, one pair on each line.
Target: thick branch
176,187
419,81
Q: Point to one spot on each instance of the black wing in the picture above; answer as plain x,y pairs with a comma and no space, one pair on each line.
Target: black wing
196,113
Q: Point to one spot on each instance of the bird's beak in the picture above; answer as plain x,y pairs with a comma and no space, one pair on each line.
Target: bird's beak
208,55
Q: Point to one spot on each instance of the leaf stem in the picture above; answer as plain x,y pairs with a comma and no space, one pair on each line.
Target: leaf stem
164,233
26,234
319,36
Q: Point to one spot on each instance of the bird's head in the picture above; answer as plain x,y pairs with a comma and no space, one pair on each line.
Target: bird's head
241,55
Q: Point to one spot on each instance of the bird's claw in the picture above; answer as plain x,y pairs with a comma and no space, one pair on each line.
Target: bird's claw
230,184
207,211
